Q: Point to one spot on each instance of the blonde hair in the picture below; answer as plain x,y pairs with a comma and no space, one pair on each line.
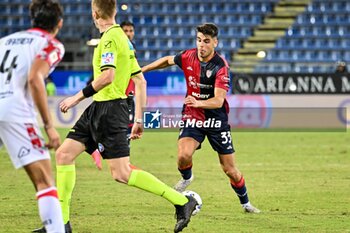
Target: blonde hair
105,8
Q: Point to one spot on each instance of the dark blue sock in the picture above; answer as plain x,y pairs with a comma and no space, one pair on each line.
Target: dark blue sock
241,191
186,173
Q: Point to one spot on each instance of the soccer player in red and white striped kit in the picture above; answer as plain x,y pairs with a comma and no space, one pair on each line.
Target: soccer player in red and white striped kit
26,59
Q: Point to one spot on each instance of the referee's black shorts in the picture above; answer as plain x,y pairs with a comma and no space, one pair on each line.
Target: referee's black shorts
104,125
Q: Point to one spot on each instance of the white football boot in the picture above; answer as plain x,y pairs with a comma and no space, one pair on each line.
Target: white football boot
249,208
183,184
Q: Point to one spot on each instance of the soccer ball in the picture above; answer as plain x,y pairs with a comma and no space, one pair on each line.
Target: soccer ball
198,199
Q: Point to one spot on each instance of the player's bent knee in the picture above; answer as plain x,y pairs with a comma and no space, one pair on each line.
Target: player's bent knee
184,155
63,158
232,173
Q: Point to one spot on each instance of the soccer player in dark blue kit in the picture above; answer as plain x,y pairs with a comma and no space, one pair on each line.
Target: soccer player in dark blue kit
205,111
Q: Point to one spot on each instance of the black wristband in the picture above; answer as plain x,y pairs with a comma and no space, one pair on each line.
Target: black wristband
89,91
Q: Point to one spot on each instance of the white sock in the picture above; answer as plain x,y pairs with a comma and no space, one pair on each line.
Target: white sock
50,210
246,204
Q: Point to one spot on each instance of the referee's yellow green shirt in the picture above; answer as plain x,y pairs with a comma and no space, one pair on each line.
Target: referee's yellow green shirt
115,51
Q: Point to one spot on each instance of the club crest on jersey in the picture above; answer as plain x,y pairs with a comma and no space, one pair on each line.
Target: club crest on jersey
209,73
107,58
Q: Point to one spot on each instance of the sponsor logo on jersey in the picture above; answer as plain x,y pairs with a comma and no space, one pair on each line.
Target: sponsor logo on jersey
204,86
107,58
201,96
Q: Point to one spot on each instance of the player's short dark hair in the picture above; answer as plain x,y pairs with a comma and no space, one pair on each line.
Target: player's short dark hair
208,29
127,23
45,14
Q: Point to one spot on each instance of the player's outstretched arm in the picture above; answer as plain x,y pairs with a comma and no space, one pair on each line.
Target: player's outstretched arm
161,63
71,101
38,72
102,81
140,102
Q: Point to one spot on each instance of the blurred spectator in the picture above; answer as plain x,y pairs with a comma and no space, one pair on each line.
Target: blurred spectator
50,87
341,67
129,29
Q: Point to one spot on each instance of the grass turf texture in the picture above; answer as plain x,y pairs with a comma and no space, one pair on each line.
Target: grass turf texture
300,181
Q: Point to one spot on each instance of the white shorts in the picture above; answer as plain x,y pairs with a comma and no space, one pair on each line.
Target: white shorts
24,142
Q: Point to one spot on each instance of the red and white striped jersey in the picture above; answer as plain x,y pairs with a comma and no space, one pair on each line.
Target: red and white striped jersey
17,54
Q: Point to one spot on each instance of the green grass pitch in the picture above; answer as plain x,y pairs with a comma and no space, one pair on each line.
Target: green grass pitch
300,181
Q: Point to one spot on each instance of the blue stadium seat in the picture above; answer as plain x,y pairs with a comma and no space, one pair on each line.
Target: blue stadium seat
303,69
320,34
334,43
346,56
342,18
3,21
307,43
345,43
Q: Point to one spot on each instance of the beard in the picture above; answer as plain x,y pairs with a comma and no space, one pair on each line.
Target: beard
203,53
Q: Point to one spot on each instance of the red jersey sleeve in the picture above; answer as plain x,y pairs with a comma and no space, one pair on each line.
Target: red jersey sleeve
52,53
223,79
